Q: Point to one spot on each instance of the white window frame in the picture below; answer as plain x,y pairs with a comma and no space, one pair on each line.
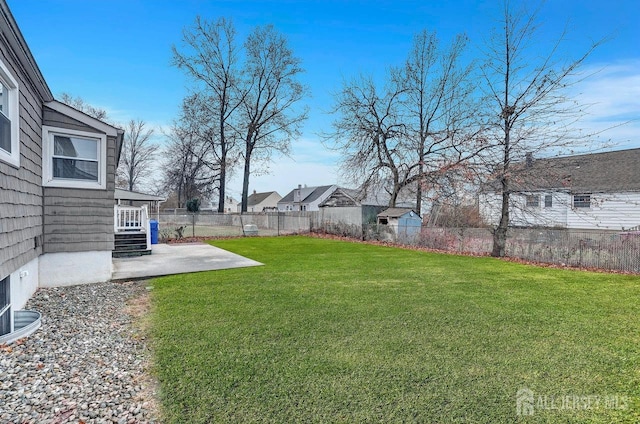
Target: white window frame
47,158
5,309
7,79
532,200
548,200
582,201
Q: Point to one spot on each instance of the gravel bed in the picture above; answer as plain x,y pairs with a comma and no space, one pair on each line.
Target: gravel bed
86,364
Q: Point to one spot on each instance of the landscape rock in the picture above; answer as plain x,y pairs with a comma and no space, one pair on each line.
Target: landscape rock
87,363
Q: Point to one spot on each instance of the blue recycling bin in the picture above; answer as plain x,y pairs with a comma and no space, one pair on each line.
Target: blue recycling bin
154,231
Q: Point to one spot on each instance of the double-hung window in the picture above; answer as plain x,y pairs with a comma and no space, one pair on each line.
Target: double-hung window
5,307
533,200
9,118
74,159
582,201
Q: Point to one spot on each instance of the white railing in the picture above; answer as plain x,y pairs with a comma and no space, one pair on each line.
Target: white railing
130,218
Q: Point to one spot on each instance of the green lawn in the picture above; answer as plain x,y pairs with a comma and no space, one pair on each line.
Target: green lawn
331,331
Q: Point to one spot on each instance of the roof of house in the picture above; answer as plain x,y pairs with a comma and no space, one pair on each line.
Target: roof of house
396,212
257,198
120,194
378,195
317,193
341,197
344,197
308,194
614,171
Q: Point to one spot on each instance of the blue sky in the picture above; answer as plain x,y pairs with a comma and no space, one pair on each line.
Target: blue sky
116,54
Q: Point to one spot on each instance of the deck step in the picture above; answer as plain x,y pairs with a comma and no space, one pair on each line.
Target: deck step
130,243
130,254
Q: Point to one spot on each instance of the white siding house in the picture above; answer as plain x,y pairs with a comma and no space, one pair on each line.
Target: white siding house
262,202
599,191
305,198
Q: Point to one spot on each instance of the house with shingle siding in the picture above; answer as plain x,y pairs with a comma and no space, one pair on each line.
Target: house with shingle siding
598,191
57,180
346,206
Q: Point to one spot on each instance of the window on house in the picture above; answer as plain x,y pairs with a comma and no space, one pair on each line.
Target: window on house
9,118
5,307
582,201
533,200
5,122
548,201
74,158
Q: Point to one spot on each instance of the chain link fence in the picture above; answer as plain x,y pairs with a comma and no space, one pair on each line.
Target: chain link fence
177,225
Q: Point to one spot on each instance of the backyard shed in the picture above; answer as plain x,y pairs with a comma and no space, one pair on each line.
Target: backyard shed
406,223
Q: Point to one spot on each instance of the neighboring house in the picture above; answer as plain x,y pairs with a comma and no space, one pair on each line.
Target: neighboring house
405,222
599,191
230,205
305,198
379,195
262,202
57,180
206,205
349,207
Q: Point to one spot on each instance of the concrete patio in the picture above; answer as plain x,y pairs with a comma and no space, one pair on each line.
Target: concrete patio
169,259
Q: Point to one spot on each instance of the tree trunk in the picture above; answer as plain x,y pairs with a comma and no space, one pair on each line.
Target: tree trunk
223,180
500,234
245,181
393,199
419,188
130,176
223,153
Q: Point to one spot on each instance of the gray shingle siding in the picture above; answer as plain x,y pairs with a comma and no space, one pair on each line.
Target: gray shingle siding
20,188
78,220
54,118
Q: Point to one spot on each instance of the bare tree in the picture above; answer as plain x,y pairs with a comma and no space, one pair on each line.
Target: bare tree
527,105
137,159
186,173
82,106
416,129
209,55
269,119
439,111
369,132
